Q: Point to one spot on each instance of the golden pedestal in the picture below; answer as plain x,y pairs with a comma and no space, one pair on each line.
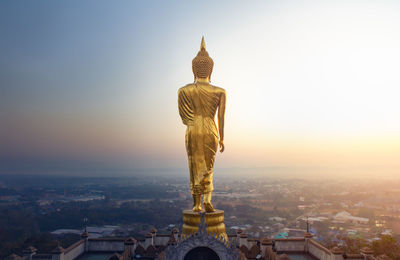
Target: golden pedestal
214,221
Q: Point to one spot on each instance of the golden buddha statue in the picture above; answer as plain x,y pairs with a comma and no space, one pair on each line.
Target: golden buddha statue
198,103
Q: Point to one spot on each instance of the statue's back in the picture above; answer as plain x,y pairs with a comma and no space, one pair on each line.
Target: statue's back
199,100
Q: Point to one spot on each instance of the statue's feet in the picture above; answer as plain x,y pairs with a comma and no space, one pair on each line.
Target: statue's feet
196,203
208,207
197,208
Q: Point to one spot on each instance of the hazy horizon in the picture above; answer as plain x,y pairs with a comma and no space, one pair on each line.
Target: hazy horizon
312,87
315,173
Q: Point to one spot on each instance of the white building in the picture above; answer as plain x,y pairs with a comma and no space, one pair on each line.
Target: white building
345,216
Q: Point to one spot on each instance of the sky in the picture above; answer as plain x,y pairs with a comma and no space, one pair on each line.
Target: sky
312,86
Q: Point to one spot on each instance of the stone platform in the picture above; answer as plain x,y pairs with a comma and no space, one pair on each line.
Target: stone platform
214,221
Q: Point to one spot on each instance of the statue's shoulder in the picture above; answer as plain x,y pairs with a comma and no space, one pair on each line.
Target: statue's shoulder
186,87
219,90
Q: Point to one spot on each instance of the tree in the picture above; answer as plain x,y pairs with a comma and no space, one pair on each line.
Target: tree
354,244
387,245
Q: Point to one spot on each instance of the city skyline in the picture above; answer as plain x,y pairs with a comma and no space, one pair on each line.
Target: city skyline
93,84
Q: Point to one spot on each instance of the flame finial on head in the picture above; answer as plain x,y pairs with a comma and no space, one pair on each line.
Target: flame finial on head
202,64
203,44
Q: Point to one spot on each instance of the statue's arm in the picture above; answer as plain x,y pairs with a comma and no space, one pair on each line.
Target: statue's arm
221,119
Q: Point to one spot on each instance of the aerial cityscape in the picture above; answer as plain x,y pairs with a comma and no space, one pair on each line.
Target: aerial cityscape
199,130
351,213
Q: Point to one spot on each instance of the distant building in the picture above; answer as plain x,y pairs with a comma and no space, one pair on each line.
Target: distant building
94,232
277,219
345,216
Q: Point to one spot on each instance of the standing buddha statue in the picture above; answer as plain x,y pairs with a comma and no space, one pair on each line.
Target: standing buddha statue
198,103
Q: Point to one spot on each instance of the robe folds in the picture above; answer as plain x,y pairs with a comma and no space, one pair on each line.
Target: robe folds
198,104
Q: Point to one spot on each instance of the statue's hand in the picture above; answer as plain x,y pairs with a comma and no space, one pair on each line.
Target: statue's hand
221,146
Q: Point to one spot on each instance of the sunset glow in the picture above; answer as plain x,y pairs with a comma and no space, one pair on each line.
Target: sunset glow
309,86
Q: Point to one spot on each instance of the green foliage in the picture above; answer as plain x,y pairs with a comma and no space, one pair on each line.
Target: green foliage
387,245
23,226
353,244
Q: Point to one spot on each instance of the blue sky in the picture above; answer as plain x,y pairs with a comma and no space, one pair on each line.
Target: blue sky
93,83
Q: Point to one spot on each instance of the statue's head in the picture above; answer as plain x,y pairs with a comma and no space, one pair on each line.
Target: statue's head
202,64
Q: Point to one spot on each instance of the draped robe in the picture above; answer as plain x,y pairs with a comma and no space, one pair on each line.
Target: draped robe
198,104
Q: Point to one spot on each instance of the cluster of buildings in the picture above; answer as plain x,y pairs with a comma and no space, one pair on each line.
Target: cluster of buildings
173,246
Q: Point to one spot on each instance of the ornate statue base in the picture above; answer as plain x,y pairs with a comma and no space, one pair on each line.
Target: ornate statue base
202,232
214,221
